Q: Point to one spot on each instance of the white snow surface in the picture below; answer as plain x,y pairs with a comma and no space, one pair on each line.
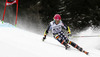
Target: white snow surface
15,42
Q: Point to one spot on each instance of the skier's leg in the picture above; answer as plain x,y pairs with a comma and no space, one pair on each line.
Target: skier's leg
66,42
75,45
61,38
72,44
61,34
57,37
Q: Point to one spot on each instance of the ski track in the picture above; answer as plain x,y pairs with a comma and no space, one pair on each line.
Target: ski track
15,42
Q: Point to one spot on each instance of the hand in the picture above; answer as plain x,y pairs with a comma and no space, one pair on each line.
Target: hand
44,38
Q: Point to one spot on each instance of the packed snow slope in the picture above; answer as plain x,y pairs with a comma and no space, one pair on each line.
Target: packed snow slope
15,42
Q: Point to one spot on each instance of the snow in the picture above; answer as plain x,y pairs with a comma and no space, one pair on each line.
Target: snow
15,42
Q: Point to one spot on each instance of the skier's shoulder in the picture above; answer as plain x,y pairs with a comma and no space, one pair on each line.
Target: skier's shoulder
52,22
61,21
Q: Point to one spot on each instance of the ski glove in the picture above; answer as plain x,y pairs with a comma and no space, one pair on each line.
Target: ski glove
44,38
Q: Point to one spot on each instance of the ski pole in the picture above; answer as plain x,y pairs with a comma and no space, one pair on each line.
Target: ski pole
87,36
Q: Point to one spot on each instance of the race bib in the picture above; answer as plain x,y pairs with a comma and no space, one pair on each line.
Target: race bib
57,29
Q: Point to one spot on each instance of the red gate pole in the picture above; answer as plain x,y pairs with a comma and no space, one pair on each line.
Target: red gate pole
4,13
16,12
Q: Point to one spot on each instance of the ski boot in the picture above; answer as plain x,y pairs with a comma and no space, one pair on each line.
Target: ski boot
80,49
86,52
67,46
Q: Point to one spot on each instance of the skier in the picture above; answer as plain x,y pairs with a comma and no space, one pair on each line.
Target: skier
56,27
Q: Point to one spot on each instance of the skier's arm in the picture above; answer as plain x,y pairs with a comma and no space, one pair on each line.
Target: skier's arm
46,32
67,28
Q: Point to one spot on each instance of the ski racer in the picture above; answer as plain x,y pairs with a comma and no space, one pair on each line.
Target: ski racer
56,27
